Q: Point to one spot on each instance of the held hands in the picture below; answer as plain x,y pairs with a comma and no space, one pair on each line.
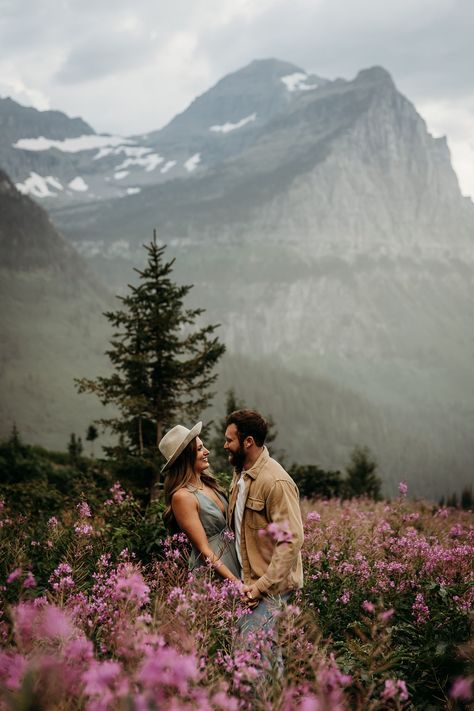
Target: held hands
251,595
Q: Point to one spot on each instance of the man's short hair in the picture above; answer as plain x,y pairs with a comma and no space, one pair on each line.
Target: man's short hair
249,423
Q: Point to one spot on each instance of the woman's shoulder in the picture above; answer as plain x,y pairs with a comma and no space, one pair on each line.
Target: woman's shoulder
182,495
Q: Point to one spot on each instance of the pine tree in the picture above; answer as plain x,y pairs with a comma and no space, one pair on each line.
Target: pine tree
361,477
91,436
162,367
74,447
466,498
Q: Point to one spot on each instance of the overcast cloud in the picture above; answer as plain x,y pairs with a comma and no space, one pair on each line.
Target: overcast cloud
129,67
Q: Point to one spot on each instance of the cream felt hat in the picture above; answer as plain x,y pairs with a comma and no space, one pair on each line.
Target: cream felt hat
175,441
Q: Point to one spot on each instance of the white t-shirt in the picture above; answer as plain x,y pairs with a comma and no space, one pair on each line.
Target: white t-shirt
238,514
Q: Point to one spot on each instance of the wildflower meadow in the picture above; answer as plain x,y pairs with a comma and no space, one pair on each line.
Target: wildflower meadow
91,618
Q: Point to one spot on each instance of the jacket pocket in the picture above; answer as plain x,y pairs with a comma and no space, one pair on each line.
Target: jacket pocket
255,516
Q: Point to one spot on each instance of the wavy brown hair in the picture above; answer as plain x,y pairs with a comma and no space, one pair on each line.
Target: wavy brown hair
180,474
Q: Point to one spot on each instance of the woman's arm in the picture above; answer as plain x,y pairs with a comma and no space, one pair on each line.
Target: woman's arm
186,512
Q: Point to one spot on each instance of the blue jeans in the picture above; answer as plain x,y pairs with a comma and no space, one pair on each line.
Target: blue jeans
264,617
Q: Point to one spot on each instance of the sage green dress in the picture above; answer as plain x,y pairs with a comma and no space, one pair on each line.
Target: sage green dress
217,531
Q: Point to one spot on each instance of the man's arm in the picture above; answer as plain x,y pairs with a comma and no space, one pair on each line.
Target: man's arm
282,507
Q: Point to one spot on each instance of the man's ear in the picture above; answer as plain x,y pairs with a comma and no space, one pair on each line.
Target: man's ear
249,441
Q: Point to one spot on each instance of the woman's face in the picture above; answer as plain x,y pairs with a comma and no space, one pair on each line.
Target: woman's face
201,463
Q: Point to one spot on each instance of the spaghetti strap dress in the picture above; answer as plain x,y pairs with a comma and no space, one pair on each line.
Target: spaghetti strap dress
217,531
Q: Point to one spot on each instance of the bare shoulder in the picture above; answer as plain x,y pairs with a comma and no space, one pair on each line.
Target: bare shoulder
183,494
183,497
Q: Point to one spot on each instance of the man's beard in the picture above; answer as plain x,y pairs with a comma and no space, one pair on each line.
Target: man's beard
237,459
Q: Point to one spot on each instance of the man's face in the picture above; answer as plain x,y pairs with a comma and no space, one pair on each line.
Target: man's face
233,447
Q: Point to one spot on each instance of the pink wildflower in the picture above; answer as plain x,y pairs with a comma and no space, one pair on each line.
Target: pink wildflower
386,615
83,529
14,575
53,522
462,689
29,581
166,667
313,516
390,690
12,669
421,611
118,494
133,588
84,510
368,606
100,679
56,624
279,532
403,488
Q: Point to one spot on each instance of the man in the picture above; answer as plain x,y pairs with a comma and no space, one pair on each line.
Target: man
262,493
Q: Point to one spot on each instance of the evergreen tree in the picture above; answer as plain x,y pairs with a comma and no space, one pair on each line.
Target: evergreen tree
312,481
362,479
74,447
466,498
91,436
15,439
162,367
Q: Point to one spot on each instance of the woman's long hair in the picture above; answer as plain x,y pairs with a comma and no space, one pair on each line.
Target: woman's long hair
180,474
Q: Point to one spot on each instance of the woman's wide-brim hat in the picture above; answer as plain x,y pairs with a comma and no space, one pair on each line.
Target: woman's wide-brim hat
175,441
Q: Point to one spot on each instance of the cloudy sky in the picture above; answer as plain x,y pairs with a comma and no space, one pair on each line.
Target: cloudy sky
129,67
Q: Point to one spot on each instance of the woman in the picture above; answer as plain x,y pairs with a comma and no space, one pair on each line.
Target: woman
195,502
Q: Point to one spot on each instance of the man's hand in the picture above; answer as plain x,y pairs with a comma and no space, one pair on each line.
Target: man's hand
252,595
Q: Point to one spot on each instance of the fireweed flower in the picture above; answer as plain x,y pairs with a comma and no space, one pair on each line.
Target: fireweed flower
167,667
100,680
12,669
403,488
132,588
279,532
83,529
462,689
118,495
84,510
420,609
14,575
394,688
29,581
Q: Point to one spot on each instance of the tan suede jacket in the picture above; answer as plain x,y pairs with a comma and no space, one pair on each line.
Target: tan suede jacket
271,497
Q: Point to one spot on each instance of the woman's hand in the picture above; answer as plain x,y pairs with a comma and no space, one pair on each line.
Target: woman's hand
252,595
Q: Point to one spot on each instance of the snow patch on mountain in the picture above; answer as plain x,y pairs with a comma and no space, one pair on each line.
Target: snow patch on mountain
227,127
133,191
38,186
129,151
296,82
167,166
78,184
149,161
71,145
121,174
192,163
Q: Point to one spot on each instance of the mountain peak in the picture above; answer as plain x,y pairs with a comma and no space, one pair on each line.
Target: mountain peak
374,75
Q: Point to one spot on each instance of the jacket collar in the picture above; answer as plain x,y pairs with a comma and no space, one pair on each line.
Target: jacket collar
255,469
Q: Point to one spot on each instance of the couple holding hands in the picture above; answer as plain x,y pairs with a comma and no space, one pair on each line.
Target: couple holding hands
261,493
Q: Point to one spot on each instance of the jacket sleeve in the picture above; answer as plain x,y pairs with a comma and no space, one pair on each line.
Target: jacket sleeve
282,507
